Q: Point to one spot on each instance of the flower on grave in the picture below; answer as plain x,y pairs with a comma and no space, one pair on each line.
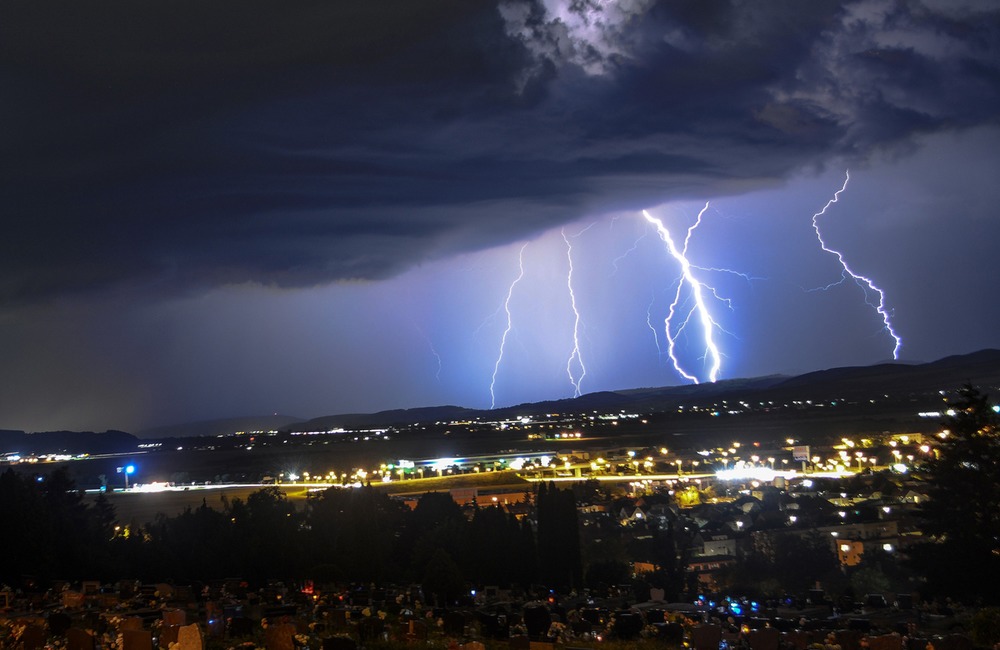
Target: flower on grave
382,614
302,640
648,632
366,612
556,630
245,645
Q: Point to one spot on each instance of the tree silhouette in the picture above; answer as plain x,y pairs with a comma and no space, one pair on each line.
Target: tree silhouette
962,515
559,558
354,530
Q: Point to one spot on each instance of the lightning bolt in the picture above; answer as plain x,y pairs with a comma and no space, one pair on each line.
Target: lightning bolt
746,276
503,339
635,246
575,354
649,324
865,283
430,344
699,309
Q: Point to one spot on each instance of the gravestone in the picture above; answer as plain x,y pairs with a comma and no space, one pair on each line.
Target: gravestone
417,631
519,642
72,599
168,635
174,617
131,623
189,637
339,643
798,640
137,639
454,624
370,629
537,620
953,642
671,633
706,637
767,638
78,639
850,639
279,636
59,623
885,642
627,626
240,626
33,637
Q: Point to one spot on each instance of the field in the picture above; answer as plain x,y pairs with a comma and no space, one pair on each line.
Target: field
141,507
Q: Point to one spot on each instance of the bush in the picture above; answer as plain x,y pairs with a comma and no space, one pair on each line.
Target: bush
985,626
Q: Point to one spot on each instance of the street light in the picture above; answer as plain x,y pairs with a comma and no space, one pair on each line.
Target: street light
128,469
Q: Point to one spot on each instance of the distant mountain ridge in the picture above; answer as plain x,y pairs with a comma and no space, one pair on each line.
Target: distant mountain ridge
66,442
857,382
223,426
979,368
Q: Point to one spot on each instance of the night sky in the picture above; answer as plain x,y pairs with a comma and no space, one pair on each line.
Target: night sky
220,208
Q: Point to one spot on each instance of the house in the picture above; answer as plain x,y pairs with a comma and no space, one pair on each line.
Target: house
719,545
707,569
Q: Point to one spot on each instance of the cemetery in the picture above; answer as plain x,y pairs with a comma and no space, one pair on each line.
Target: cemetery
229,615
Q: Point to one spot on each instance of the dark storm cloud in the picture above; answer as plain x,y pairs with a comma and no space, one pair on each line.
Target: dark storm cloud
188,144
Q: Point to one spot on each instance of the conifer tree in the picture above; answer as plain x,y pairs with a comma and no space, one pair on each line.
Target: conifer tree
961,517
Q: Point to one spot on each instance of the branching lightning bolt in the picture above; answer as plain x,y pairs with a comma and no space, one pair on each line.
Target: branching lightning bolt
635,245
699,309
575,354
865,283
503,339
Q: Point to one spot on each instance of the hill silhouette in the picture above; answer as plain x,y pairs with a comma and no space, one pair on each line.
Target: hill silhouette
913,386
848,383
